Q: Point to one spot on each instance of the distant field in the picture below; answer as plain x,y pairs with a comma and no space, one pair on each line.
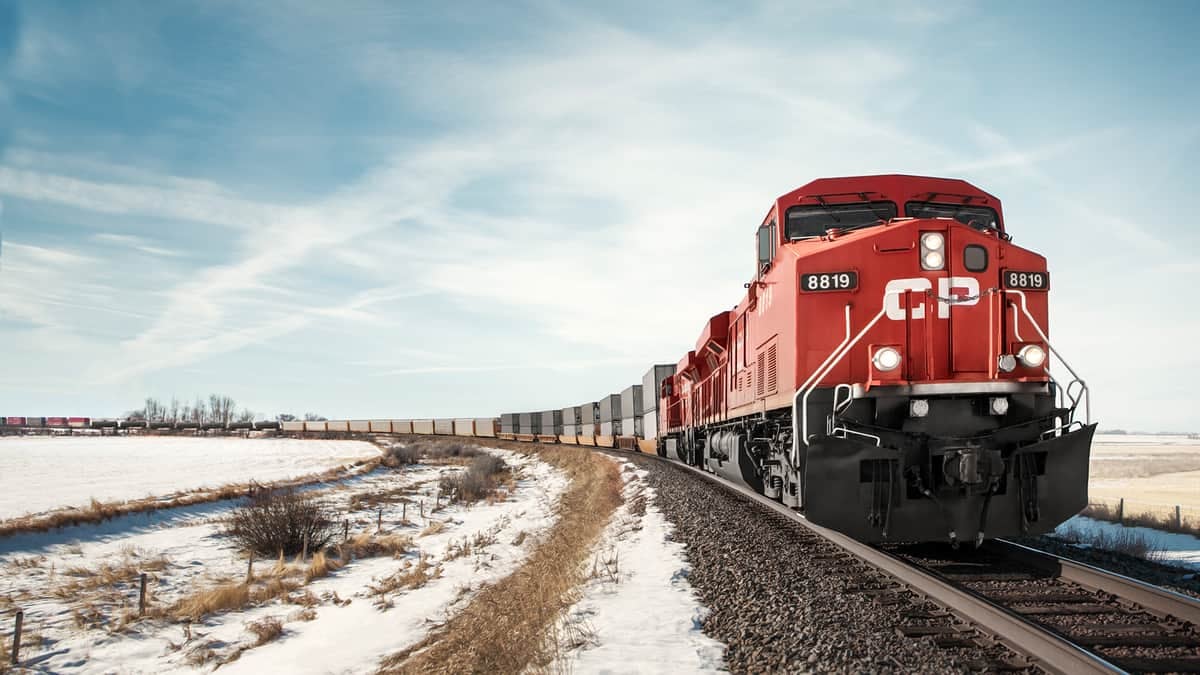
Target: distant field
42,473
1152,473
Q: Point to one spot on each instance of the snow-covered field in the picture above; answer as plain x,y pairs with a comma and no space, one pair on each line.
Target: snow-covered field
78,587
42,473
639,614
1182,550
351,629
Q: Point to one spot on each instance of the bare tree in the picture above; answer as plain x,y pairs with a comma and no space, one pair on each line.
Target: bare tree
246,415
314,417
174,409
285,417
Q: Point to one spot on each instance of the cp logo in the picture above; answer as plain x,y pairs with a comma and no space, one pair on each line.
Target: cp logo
959,287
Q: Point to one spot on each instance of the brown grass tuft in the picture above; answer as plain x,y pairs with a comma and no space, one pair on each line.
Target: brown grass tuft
265,630
364,545
412,575
435,527
219,599
320,567
520,638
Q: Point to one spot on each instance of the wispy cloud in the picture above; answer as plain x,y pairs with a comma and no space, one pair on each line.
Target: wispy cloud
135,243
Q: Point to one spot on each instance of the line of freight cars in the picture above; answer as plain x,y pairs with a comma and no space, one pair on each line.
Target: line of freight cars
35,423
626,420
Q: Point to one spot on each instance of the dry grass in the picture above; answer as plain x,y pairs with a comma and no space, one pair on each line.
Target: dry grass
480,481
520,636
98,512
364,545
1160,518
1127,542
219,599
86,584
473,544
435,527
411,575
320,567
266,629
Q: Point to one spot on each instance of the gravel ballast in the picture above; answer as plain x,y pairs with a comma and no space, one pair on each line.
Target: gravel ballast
784,600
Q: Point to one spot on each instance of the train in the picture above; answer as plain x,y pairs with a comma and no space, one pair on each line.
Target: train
886,373
27,424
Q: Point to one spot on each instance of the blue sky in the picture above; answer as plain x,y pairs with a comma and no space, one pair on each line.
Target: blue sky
382,209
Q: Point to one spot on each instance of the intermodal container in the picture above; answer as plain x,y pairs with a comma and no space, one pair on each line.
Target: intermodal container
293,426
610,408
381,426
552,422
509,423
485,427
464,427
650,424
424,427
338,425
401,426
652,384
632,426
631,402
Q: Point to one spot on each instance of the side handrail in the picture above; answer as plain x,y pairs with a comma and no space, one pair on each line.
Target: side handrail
824,369
1084,395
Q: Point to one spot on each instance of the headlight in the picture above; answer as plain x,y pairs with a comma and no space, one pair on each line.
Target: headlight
918,407
933,256
1032,356
1006,363
998,405
885,359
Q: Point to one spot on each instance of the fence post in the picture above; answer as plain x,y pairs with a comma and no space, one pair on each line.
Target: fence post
1121,511
142,597
16,650
404,511
250,566
346,530
1178,518
379,521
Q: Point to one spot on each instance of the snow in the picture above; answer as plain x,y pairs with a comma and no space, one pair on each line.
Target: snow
639,612
1182,550
350,637
42,473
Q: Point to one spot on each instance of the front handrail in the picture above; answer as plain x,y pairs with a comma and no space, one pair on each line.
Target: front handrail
823,370
1084,394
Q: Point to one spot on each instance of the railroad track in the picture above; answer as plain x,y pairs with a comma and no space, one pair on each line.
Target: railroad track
1058,615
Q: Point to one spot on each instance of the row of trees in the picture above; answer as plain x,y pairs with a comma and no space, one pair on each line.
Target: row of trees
218,409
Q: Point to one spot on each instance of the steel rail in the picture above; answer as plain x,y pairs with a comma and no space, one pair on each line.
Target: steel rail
1161,601
1050,651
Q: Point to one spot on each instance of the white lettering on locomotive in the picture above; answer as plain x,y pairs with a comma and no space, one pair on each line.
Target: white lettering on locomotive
965,290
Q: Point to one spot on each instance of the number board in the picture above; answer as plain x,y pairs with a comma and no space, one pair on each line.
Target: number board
1034,281
829,281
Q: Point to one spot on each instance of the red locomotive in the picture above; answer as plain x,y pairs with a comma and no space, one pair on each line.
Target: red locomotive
888,369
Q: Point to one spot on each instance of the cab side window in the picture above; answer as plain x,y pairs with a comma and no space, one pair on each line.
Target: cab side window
766,246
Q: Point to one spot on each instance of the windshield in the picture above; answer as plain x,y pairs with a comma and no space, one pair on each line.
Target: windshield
978,217
813,221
